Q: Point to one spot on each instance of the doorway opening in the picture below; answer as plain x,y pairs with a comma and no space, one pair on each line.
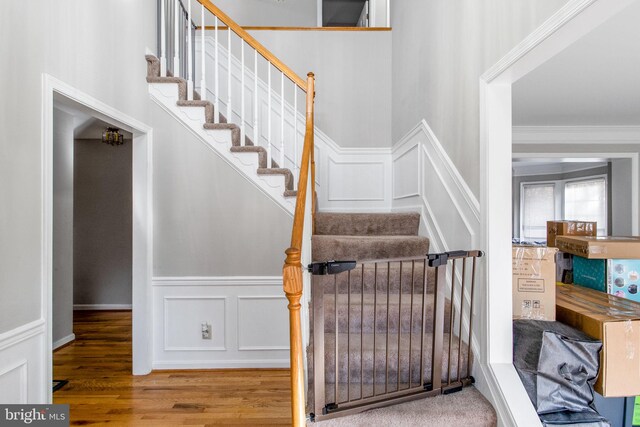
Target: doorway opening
113,231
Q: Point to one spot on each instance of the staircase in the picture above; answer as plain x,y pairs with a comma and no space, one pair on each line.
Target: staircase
386,330
377,328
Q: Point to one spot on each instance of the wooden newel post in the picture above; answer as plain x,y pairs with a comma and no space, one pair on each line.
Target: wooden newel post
292,282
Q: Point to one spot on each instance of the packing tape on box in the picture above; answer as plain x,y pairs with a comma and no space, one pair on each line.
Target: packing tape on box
630,351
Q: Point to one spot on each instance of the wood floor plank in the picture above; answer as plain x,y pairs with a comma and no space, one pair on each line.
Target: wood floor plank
102,390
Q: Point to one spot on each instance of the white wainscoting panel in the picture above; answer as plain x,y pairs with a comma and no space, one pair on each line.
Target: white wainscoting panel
355,181
22,370
183,318
425,180
263,323
248,317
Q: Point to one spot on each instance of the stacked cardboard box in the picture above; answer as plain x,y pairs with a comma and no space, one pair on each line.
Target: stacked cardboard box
569,228
606,264
534,282
616,322
564,261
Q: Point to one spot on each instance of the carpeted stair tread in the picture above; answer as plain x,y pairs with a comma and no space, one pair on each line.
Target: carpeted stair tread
410,315
290,193
409,274
467,408
381,351
207,105
262,153
288,176
367,224
361,248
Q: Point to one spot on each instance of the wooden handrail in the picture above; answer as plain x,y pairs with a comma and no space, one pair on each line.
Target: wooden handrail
292,270
299,81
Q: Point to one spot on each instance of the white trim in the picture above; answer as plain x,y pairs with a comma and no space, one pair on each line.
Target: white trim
571,22
65,340
222,364
218,281
142,226
319,13
576,135
102,307
21,333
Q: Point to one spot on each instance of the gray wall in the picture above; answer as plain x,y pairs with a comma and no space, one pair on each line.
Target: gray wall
616,186
440,49
63,124
208,220
621,205
76,43
289,13
353,80
102,238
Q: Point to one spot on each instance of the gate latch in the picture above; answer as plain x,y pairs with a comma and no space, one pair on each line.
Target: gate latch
330,267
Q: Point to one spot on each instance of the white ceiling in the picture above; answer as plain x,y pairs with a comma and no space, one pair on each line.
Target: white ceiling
595,81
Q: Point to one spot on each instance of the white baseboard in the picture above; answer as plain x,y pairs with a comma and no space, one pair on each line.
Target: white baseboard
221,364
62,341
102,306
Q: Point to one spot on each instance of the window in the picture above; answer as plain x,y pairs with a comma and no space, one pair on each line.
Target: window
537,207
580,200
587,201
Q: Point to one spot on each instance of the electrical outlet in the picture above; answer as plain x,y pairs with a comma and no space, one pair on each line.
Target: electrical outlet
206,330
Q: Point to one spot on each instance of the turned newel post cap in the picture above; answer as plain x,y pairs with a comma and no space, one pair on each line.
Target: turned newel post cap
293,256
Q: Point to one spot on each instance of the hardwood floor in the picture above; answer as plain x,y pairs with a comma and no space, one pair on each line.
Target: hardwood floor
102,390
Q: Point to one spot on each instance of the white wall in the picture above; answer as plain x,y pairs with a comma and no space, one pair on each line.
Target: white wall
62,225
353,80
102,237
288,13
76,43
440,48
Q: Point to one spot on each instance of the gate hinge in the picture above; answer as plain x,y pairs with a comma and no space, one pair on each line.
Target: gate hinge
330,267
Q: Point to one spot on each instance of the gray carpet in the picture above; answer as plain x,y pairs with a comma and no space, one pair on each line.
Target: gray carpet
379,298
467,408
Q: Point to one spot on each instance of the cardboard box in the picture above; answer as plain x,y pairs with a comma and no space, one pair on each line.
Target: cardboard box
569,228
600,247
616,322
623,278
534,282
590,273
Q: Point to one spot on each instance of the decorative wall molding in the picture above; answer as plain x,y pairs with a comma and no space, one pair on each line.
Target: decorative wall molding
576,135
425,179
102,307
22,364
247,315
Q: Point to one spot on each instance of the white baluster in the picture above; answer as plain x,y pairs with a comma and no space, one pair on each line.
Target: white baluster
176,44
163,41
203,58
269,114
281,119
189,56
229,110
256,137
295,126
242,116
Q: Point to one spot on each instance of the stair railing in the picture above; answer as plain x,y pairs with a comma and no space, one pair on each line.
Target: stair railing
410,348
221,62
292,272
178,40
